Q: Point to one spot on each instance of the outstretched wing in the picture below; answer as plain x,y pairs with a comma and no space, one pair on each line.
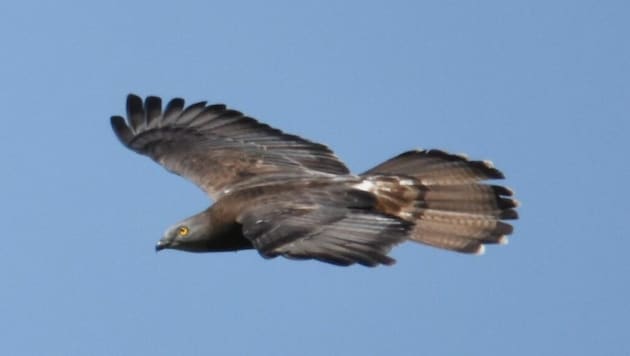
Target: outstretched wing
445,196
216,147
331,225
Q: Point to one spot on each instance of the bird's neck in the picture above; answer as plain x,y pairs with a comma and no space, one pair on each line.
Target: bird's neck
226,234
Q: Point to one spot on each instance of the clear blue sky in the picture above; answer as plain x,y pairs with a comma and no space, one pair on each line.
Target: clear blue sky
542,88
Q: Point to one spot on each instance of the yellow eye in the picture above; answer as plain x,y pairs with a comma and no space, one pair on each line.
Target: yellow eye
183,230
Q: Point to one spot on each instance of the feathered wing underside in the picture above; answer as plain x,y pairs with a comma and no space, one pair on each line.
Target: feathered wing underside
444,196
331,225
217,147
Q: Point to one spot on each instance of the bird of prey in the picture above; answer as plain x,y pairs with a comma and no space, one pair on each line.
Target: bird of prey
287,196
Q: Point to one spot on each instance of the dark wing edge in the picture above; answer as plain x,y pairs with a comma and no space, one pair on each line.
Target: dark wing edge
217,147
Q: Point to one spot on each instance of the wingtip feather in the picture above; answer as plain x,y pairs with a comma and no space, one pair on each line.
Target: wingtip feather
135,111
153,108
122,131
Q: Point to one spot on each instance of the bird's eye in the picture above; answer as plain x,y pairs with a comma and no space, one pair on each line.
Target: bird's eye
183,230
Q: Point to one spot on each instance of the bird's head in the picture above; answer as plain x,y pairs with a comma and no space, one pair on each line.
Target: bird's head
190,234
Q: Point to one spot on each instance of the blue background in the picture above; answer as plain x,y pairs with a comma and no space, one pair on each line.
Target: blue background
540,87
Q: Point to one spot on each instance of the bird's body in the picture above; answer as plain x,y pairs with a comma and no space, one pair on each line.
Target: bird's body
284,195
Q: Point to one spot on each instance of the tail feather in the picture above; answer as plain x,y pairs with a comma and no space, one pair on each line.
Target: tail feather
468,198
443,196
483,231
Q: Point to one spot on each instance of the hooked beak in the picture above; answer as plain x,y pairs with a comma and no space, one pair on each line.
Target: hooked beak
161,245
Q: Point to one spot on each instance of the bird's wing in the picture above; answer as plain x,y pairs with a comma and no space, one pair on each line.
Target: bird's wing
332,226
216,147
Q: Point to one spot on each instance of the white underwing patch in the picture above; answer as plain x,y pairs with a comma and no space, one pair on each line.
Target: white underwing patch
365,185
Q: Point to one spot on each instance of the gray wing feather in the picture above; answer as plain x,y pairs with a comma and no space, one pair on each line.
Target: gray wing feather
216,147
333,227
153,109
173,109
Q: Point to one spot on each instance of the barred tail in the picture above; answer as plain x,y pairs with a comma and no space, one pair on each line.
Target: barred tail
442,196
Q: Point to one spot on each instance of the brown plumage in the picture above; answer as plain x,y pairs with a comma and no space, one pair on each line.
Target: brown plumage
284,195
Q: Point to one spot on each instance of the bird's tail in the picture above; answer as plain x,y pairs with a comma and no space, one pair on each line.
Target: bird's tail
442,195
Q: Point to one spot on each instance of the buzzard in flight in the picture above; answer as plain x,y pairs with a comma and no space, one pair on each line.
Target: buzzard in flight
284,195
